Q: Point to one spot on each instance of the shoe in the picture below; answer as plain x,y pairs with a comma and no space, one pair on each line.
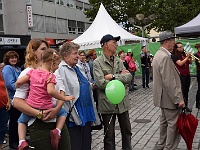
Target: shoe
135,84
134,88
147,86
23,146
143,86
4,142
13,146
55,138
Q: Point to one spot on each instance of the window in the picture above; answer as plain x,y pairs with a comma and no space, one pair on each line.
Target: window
72,26
50,23
51,1
81,27
79,5
70,3
1,23
0,4
86,6
38,23
62,25
60,2
87,25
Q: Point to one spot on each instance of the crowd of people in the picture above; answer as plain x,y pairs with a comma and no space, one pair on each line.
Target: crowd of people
60,96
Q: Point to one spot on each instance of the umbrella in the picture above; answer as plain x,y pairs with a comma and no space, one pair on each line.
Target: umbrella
187,125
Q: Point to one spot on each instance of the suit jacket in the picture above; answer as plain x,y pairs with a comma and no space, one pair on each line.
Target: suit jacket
167,90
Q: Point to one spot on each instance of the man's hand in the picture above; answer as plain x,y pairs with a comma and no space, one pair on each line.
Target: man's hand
124,71
108,77
49,114
181,104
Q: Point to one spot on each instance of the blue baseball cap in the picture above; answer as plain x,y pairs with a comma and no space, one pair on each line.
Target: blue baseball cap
107,38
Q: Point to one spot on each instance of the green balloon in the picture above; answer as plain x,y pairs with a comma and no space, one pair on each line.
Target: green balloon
115,91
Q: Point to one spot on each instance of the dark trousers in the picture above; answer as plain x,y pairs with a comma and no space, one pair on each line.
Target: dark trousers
185,82
198,91
40,136
145,76
80,137
131,85
109,130
3,123
13,126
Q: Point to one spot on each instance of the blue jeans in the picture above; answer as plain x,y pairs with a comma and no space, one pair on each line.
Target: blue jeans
3,123
24,118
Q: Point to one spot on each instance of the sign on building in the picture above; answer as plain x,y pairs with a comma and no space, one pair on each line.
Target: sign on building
30,16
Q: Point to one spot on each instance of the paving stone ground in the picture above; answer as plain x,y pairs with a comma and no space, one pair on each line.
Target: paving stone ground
144,117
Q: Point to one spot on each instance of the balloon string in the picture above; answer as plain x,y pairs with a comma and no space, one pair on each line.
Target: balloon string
108,124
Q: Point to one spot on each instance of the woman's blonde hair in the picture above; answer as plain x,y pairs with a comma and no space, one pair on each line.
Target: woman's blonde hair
31,58
67,47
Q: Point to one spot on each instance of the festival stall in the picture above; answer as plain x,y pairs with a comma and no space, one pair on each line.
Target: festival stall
103,24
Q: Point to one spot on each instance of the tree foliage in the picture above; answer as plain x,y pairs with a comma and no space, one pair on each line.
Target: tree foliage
169,13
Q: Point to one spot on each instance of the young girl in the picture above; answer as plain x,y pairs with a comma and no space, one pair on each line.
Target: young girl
42,90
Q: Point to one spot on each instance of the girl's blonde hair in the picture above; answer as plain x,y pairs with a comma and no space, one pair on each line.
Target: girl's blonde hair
50,56
31,58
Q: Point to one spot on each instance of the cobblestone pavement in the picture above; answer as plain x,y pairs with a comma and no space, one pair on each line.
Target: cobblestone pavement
144,118
144,121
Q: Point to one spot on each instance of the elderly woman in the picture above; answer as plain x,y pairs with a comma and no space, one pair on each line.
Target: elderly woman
82,110
10,74
40,130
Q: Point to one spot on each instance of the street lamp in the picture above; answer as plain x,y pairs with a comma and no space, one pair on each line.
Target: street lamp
143,21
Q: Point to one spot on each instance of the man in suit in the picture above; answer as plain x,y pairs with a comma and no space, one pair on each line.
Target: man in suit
167,93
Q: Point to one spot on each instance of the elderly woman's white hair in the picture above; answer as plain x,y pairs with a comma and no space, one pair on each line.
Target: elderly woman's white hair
67,47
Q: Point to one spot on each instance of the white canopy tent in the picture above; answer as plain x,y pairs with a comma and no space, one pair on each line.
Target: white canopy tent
192,28
103,24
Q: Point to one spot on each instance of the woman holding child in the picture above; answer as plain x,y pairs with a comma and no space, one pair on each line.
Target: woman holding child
45,120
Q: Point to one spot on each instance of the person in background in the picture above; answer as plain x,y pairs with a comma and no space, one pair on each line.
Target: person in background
10,74
145,63
197,54
84,67
151,67
109,111
93,55
131,68
122,56
182,61
82,110
40,129
167,92
4,108
1,67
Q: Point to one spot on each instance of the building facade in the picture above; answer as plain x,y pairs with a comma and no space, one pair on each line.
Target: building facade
54,20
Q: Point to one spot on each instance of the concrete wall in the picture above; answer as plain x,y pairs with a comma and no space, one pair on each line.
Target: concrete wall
15,16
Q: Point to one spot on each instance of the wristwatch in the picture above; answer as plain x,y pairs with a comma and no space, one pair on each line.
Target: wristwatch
113,77
39,115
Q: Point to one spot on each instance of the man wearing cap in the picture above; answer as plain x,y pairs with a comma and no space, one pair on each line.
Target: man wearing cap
107,67
167,93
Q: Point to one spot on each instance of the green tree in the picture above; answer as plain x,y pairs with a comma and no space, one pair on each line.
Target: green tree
169,13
